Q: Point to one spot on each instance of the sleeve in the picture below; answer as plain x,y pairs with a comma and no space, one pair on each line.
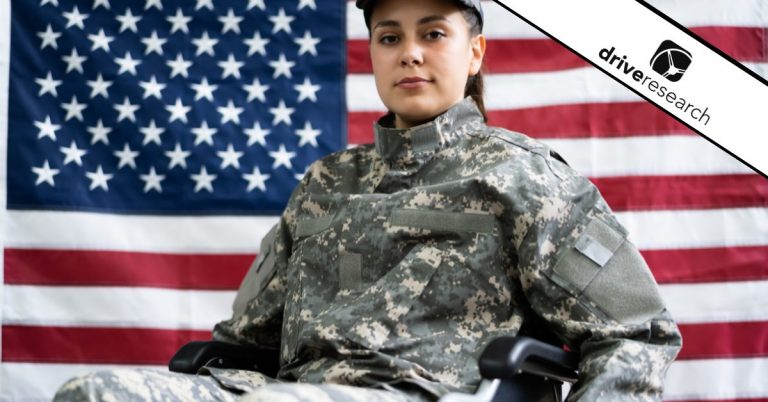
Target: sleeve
257,312
587,280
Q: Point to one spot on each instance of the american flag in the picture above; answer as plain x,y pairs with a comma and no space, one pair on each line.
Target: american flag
149,146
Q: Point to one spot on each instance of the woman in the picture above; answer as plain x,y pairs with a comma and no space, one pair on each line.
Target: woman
395,263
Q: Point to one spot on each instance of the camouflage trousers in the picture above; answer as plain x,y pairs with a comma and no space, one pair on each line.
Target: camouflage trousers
218,385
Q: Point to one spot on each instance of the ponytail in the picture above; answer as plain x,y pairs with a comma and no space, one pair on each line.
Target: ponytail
474,88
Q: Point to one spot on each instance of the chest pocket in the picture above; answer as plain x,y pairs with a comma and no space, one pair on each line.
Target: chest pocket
443,221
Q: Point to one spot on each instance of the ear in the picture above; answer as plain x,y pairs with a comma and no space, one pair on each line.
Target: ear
477,47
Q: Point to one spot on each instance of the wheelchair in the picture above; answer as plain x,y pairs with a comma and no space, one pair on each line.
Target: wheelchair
514,369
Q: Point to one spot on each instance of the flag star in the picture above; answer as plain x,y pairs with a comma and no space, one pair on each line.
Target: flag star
154,3
74,109
152,180
204,134
203,180
308,135
101,3
256,90
99,133
257,44
281,113
231,67
256,3
45,174
178,157
256,179
74,61
127,64
178,111
48,85
53,2
127,157
230,157
231,22
299,176
73,154
179,66
49,38
281,22
256,134
99,179
205,44
152,133
153,44
204,3
307,3
126,110
179,22
307,90
230,113
307,43
152,88
100,41
204,90
282,157
74,18
99,87
128,21
47,129
282,66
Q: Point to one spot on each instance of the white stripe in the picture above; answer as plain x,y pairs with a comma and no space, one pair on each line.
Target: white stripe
116,306
200,310
647,155
648,229
704,228
501,24
174,234
717,379
717,302
27,382
523,90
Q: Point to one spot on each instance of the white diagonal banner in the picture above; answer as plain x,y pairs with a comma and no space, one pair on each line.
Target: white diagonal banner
660,61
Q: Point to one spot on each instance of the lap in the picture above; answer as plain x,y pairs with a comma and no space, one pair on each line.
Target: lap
220,385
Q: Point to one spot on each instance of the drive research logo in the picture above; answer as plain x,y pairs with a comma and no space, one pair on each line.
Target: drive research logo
671,60
671,69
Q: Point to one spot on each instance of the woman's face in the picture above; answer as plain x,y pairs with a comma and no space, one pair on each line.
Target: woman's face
422,55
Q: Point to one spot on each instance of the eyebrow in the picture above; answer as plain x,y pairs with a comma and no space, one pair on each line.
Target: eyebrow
422,21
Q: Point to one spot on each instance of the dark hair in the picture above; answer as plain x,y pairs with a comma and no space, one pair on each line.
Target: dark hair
475,85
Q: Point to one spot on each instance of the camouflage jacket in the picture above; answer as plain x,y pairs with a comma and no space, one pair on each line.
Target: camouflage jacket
395,263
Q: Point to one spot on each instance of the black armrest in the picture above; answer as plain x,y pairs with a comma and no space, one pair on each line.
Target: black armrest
190,357
506,357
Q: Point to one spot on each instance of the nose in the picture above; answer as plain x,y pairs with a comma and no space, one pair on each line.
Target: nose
411,55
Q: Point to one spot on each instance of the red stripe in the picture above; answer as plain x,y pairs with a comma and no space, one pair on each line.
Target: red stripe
604,120
640,193
724,340
745,44
726,264
94,345
118,268
155,346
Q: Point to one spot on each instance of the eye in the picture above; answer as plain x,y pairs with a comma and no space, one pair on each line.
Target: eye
388,39
434,35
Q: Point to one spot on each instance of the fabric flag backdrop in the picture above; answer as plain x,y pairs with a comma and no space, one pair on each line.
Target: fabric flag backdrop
149,145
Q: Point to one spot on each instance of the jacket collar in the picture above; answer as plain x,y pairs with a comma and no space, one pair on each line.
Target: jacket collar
404,145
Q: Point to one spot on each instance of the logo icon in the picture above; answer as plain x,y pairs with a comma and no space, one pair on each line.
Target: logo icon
671,60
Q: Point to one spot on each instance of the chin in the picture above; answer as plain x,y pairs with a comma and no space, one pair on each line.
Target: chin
416,110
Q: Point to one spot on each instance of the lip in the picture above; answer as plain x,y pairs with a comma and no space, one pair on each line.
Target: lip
412,82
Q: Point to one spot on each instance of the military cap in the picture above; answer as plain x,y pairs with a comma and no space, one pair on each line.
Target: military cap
367,6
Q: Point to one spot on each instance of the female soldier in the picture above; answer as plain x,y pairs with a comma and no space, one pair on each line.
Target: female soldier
394,264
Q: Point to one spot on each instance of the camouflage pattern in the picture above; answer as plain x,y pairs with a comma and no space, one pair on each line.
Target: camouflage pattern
394,264
151,385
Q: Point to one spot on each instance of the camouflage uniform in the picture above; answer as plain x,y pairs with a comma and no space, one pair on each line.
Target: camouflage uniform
394,264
